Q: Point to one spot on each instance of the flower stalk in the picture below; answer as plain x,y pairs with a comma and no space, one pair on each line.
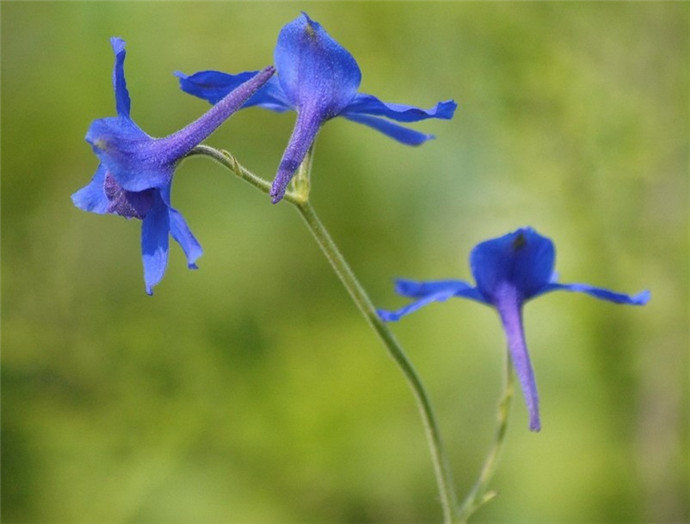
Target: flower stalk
359,296
480,494
361,299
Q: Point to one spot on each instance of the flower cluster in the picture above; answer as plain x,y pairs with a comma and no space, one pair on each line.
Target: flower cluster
318,79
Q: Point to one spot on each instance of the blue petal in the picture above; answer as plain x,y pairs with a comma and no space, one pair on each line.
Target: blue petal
154,244
181,233
314,70
393,316
129,154
122,102
212,86
523,259
458,288
428,292
402,134
370,105
604,294
306,128
92,197
509,309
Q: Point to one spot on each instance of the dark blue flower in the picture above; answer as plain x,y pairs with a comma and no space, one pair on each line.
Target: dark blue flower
135,172
508,271
319,79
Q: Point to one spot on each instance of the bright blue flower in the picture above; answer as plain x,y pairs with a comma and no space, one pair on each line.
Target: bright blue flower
319,79
508,271
135,172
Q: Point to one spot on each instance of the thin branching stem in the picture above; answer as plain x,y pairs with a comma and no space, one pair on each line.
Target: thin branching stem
480,494
361,299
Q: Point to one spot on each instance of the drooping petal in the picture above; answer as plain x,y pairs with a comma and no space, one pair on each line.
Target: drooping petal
522,258
303,135
509,309
92,197
181,233
212,86
122,101
314,70
604,294
155,229
397,132
364,104
458,288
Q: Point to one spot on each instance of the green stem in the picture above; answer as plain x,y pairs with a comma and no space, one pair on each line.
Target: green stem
480,493
361,299
227,160
363,302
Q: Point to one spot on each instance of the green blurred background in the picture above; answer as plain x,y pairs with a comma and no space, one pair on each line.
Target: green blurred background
251,390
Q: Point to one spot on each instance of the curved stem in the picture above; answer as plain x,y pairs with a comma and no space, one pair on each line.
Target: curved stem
227,160
479,494
361,299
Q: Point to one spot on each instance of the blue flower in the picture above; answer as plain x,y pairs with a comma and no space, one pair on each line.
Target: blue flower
508,271
319,79
135,172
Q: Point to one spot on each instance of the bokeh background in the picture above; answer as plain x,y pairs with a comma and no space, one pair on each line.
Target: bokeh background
251,390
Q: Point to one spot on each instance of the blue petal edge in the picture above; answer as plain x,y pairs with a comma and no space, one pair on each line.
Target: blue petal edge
416,289
92,197
155,230
639,299
182,234
122,100
397,132
394,316
364,104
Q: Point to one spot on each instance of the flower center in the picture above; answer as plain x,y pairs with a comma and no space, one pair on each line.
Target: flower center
129,204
